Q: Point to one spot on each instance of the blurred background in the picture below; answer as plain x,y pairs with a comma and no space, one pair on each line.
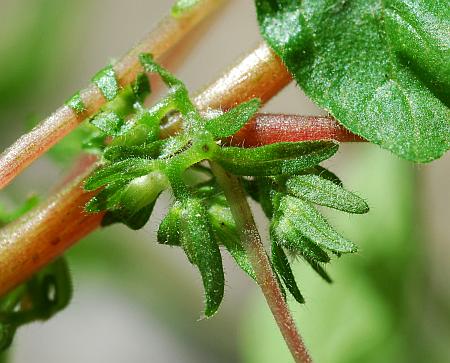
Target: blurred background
137,301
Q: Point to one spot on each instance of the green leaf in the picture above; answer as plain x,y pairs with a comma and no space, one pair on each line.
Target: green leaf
381,68
132,218
106,81
169,231
274,159
287,235
181,6
108,122
45,293
76,103
150,151
233,120
202,250
324,192
224,229
323,173
281,264
120,171
301,216
141,87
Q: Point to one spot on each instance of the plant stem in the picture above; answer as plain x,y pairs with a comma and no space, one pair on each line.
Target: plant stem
266,129
265,277
52,129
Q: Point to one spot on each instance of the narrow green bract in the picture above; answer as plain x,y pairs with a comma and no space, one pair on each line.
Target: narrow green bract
380,67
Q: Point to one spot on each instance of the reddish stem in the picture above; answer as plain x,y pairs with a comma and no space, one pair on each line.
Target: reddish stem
266,129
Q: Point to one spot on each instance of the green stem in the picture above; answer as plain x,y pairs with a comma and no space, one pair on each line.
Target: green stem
265,277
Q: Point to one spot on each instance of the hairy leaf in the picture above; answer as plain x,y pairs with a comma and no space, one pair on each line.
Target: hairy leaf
274,159
120,171
76,103
283,268
224,229
233,120
106,81
380,67
202,250
302,216
324,192
169,231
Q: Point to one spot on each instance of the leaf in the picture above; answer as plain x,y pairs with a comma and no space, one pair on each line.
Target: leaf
202,250
76,103
133,219
45,293
283,268
224,229
304,218
181,6
233,120
381,68
106,81
324,192
286,235
108,122
169,231
149,151
274,159
323,173
120,171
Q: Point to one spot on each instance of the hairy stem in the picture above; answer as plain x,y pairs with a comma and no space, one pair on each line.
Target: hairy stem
266,129
52,129
251,241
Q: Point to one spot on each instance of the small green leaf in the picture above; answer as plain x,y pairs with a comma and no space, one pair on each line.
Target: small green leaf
324,192
380,67
150,151
181,6
202,250
133,219
141,87
120,171
283,268
169,231
274,159
302,216
323,173
108,122
76,103
107,198
106,81
233,120
224,229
